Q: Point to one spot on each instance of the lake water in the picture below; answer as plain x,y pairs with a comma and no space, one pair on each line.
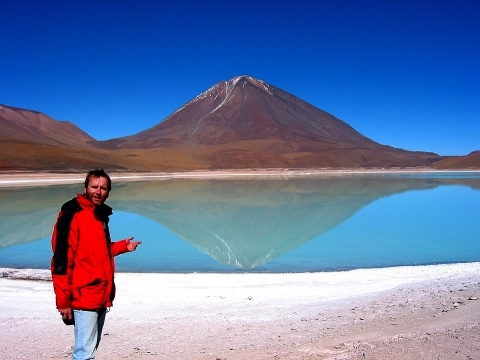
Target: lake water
310,223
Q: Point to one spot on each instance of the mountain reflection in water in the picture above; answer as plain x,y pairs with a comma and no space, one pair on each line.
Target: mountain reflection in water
243,223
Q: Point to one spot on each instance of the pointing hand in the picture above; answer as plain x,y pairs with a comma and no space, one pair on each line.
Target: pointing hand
132,245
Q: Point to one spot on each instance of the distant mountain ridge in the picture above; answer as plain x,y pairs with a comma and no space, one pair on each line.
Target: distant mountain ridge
27,125
241,123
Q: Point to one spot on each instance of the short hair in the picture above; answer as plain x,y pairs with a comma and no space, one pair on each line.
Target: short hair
96,174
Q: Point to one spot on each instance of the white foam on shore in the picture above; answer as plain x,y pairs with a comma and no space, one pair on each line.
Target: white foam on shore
281,289
143,296
381,278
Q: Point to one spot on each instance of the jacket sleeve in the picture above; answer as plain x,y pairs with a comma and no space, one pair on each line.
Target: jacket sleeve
119,247
64,245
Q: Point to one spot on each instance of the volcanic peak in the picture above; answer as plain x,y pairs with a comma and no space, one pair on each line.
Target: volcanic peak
227,87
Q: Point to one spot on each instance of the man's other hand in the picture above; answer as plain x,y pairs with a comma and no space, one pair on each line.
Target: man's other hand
66,313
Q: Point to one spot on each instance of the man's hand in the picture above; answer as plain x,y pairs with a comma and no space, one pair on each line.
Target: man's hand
132,245
66,313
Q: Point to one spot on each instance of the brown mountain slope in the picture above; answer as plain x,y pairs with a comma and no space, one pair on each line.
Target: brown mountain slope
470,161
246,122
32,140
35,127
24,155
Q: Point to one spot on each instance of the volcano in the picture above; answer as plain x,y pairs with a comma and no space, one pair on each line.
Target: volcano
245,122
242,123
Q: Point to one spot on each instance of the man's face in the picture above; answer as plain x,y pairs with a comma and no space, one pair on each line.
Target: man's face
97,190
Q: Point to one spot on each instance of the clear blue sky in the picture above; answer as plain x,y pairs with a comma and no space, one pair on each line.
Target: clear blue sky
404,73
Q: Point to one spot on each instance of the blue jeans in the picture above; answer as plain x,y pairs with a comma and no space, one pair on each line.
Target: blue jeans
88,331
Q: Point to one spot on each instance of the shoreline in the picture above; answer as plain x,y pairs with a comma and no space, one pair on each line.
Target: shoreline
45,178
410,272
387,313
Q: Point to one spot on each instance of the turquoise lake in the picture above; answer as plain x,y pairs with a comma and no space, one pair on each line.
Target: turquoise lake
300,224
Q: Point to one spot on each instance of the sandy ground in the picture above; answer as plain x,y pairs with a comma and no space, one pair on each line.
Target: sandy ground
424,312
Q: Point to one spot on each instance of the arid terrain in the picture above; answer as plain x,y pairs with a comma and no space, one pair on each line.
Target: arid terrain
242,123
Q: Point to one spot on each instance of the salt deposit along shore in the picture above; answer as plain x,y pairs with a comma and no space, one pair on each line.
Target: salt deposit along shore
419,312
34,178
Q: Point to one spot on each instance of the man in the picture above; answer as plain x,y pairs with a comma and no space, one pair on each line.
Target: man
82,264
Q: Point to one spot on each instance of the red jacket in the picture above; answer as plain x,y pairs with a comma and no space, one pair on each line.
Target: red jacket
82,265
